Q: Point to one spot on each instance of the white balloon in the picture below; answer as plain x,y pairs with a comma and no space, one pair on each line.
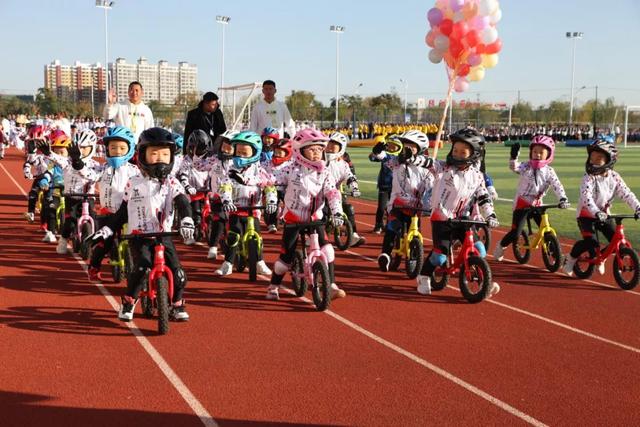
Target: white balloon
441,43
496,16
458,16
435,56
486,7
489,35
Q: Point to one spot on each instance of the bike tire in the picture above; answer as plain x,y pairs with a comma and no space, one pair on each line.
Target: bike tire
145,302
440,277
396,260
162,301
116,273
481,272
239,263
298,281
252,255
520,252
321,287
342,235
483,234
414,261
583,269
631,257
551,253
85,247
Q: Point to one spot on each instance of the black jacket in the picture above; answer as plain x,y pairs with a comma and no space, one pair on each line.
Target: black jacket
198,119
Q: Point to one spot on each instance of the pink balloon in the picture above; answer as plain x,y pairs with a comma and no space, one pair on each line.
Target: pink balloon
474,60
480,22
456,5
431,35
461,84
463,70
435,16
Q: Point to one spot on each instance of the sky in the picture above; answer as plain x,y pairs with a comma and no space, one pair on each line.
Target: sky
289,41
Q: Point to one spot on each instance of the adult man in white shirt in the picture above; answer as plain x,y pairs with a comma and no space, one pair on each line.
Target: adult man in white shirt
271,113
134,114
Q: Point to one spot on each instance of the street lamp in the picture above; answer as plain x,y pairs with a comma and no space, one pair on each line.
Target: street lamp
355,99
106,5
224,21
406,86
575,35
338,30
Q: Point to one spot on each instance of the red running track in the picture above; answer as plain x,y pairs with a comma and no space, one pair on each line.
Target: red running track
547,350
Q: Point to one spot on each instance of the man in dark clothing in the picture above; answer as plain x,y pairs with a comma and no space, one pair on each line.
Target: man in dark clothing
207,116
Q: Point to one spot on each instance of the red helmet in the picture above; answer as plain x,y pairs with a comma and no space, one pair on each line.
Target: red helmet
285,145
56,134
36,132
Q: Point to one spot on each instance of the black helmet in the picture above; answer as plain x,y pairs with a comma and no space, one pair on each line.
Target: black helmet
199,143
155,137
471,137
605,145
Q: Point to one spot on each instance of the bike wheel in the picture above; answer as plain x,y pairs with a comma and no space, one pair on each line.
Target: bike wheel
415,258
252,255
114,257
551,254
483,233
440,277
297,274
145,302
396,259
521,248
75,243
239,263
625,268
342,235
321,289
85,248
162,300
583,269
475,288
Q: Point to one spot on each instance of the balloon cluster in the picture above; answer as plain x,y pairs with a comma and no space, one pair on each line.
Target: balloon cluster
463,33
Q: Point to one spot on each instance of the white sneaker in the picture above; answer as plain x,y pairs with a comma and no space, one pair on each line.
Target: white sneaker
29,216
272,229
493,290
190,242
127,306
498,252
336,292
49,237
424,284
62,246
568,265
261,268
225,269
601,268
213,252
272,293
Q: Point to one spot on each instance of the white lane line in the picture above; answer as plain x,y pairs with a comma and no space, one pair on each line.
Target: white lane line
173,378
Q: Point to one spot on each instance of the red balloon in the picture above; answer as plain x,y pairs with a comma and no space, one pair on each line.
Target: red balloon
430,37
451,63
471,39
481,48
463,70
460,29
494,47
446,26
455,48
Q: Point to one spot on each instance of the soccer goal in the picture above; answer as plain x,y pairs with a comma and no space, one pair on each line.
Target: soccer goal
236,103
629,108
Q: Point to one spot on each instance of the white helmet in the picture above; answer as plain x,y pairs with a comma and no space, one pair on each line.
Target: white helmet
338,138
417,137
230,134
87,138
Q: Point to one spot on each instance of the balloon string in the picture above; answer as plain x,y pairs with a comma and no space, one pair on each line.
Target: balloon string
452,80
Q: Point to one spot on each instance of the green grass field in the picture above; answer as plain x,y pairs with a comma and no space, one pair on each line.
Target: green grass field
568,163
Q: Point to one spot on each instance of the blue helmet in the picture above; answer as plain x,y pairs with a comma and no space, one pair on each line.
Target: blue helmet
249,138
119,133
179,140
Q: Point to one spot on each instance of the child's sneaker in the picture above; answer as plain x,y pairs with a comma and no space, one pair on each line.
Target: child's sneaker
213,252
601,269
498,252
336,292
568,265
493,290
383,262
377,229
49,237
178,312
29,216
424,284
272,229
127,307
357,240
261,268
225,269
62,246
272,293
94,275
190,242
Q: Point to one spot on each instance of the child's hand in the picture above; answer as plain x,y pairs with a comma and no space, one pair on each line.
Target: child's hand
271,208
602,216
237,176
27,172
191,190
637,214
103,234
187,229
492,192
492,221
228,206
564,204
44,147
338,220
31,146
515,149
74,151
378,148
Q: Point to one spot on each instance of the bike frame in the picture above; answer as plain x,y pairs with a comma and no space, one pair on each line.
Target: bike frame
249,234
159,269
617,241
544,228
408,236
123,245
85,217
468,249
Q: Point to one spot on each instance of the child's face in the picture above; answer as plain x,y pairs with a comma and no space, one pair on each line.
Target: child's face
226,148
597,158
267,140
117,148
61,151
313,152
244,150
155,155
538,152
332,147
461,151
413,147
85,151
279,152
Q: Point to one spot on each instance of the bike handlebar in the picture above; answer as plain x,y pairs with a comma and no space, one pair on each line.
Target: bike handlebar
249,208
543,207
203,190
150,235
305,224
466,221
83,195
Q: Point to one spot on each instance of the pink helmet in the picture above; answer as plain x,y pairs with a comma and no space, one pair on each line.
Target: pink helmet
305,138
546,142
